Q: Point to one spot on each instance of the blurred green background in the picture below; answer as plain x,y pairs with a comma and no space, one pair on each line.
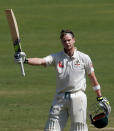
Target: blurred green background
25,101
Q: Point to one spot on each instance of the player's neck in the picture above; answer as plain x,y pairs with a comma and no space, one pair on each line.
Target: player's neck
70,52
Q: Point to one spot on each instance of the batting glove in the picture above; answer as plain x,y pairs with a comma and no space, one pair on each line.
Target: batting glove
20,57
100,98
104,103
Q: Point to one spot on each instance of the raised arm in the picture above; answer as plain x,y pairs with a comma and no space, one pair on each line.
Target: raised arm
21,56
36,61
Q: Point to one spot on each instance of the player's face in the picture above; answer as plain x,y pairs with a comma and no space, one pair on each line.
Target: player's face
68,42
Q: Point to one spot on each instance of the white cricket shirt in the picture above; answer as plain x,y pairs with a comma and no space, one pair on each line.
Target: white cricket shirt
70,71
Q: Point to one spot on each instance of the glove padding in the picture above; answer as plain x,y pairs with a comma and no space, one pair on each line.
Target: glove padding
20,57
104,103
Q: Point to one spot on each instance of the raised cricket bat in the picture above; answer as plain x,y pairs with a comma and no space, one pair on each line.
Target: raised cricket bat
14,34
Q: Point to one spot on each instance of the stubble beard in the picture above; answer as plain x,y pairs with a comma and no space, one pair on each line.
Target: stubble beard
69,51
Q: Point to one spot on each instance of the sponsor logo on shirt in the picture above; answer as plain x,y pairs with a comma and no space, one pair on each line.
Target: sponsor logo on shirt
60,64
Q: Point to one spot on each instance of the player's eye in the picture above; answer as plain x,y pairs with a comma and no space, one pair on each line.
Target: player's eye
66,40
69,40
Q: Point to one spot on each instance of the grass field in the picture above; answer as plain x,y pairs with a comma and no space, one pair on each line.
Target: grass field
25,102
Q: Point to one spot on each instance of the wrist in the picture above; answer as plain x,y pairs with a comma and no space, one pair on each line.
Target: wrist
96,88
26,61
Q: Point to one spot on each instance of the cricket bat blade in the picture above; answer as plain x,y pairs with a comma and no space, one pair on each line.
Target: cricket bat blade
14,34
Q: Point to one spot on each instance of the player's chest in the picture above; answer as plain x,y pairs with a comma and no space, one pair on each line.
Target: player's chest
68,65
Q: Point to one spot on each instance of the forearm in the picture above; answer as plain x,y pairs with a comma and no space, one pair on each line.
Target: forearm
95,84
93,79
36,61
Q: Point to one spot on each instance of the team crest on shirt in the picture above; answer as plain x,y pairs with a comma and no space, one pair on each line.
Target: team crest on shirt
77,63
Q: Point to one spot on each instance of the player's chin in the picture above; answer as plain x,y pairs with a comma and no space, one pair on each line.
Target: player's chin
69,47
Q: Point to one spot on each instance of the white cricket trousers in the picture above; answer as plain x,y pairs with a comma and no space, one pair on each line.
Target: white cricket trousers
65,105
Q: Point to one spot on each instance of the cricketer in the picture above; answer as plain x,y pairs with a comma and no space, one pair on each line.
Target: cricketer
72,67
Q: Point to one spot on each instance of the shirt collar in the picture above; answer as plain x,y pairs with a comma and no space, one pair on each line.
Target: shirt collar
74,55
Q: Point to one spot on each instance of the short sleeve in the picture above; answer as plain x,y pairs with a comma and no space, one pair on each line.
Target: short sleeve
49,60
88,65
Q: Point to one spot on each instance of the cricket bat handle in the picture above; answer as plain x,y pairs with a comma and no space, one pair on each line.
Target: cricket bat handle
22,69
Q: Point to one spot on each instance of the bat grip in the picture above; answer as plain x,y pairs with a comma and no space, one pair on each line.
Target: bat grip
22,68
